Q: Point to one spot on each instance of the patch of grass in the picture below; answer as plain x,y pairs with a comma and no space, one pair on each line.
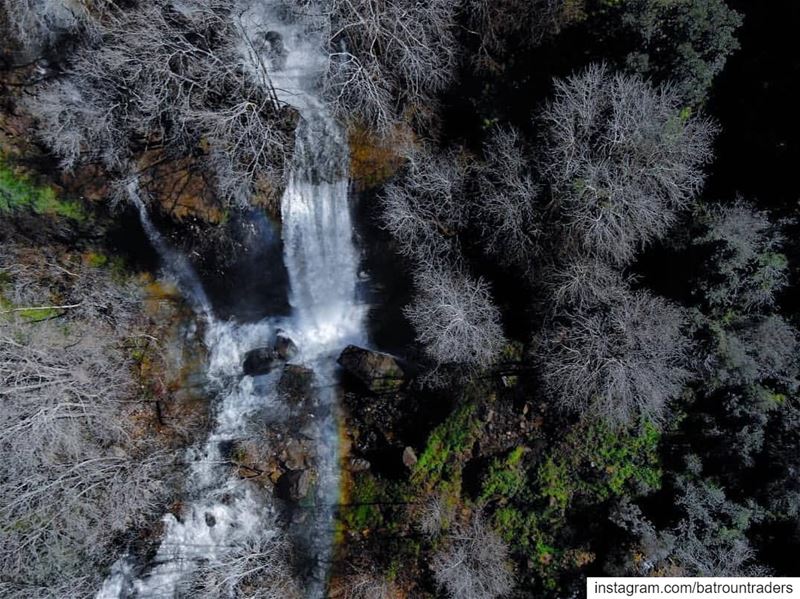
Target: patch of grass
448,445
506,479
363,513
95,259
34,314
18,191
555,483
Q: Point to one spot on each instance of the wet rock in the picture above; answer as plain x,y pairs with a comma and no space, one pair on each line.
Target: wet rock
258,361
358,465
297,454
295,484
295,383
210,519
303,485
379,372
119,452
275,49
309,431
284,348
409,457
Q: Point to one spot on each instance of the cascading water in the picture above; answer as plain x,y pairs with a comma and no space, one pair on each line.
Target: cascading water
223,511
176,264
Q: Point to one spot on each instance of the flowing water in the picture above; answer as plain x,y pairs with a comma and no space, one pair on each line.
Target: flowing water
222,511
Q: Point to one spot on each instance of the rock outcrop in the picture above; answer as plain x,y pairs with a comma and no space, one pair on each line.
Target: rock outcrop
259,361
379,372
262,360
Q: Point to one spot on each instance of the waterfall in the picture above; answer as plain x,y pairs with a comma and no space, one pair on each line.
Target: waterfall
176,264
221,511
319,254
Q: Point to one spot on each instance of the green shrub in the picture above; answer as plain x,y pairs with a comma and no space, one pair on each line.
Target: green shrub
448,445
19,191
506,478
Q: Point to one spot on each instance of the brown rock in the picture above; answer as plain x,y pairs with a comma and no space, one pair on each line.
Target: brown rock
409,457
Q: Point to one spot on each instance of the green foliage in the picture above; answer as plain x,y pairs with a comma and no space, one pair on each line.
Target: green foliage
95,259
18,191
362,513
35,314
745,269
448,445
592,465
686,41
597,463
751,349
517,527
506,478
555,484
371,501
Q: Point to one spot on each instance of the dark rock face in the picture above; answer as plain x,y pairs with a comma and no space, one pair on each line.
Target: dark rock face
379,372
259,361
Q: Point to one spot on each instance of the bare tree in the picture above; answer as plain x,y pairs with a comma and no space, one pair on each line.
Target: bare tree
388,59
455,318
506,207
617,360
76,122
370,586
746,269
169,76
39,23
504,25
77,470
436,516
582,283
473,564
258,568
426,209
621,157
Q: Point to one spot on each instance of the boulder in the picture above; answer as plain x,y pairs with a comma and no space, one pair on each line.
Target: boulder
258,361
284,347
298,454
409,457
295,485
379,372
